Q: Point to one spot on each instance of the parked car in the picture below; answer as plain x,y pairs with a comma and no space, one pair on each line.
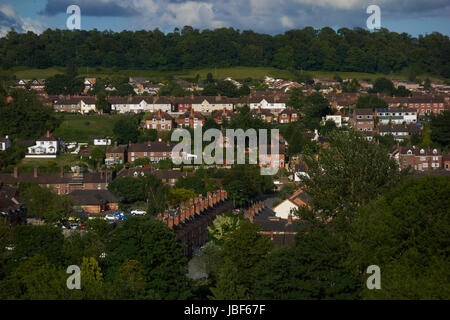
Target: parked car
83,227
111,217
138,212
74,226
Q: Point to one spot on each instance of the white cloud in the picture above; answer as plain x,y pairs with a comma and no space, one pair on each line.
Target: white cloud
10,19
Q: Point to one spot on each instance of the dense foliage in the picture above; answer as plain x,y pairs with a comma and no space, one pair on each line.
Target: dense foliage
307,49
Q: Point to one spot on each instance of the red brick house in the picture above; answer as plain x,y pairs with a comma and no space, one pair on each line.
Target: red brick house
288,115
419,159
159,120
154,151
115,155
95,201
190,119
423,104
61,183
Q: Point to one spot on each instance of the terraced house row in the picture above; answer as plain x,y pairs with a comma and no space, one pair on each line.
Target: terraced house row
274,102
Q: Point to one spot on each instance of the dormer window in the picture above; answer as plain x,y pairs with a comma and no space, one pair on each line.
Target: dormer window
409,152
434,151
422,151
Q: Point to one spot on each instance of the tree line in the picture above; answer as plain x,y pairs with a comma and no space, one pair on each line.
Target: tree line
324,49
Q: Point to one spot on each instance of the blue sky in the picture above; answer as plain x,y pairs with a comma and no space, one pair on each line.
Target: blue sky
268,16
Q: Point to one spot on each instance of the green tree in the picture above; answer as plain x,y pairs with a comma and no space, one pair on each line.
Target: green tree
29,240
156,193
312,268
240,254
440,128
129,188
348,173
224,225
155,246
405,233
126,130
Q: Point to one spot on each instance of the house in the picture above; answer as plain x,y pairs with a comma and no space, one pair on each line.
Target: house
396,115
275,103
169,177
281,231
363,120
159,120
100,140
89,84
419,159
61,183
75,104
5,143
191,119
425,104
95,201
115,155
221,116
446,161
289,205
38,85
288,115
140,104
399,131
45,147
263,114
336,118
11,207
154,151
269,159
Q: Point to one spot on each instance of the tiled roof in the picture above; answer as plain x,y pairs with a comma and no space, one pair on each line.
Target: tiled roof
94,197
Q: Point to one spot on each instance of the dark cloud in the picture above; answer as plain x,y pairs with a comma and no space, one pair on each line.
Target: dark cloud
96,8
9,19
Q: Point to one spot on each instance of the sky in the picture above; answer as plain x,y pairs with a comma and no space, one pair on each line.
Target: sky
266,16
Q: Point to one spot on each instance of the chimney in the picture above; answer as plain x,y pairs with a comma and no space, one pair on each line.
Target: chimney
47,134
289,219
171,221
61,173
115,144
16,172
36,172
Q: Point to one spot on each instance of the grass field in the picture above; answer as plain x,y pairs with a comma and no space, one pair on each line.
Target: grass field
218,73
77,127
48,165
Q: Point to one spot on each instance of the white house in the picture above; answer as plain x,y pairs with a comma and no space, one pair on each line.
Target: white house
45,147
396,115
101,140
288,206
5,143
336,118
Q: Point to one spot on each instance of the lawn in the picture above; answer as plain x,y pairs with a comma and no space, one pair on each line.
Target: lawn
48,165
77,127
218,73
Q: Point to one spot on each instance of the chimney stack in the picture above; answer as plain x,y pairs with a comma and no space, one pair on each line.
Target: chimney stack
36,172
16,172
48,134
61,174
